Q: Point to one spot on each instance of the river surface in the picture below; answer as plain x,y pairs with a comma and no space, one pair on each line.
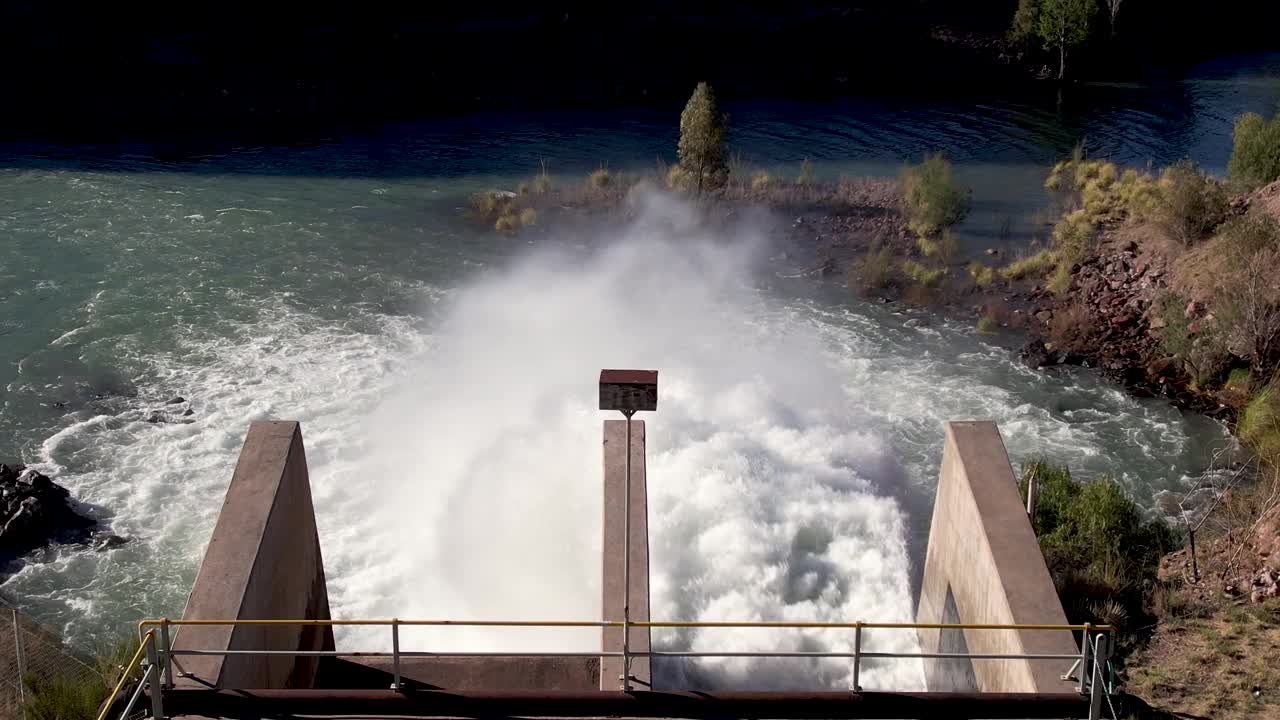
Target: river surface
445,375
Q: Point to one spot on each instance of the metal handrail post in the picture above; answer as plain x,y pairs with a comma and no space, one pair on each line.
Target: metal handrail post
1085,670
149,679
1097,686
857,652
395,654
166,658
626,563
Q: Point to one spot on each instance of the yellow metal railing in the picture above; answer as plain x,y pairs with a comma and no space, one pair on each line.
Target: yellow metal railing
160,655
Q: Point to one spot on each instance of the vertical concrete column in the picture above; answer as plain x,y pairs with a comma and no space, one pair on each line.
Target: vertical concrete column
615,435
263,562
984,566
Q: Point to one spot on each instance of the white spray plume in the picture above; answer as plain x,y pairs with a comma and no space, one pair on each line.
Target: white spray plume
487,463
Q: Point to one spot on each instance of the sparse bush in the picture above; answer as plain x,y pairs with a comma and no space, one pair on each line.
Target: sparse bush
944,248
934,199
1031,266
701,148
1255,150
528,216
761,181
1072,328
677,178
1251,232
1259,424
601,179
63,698
1196,344
983,275
1191,203
921,275
986,325
78,695
876,269
806,173
1101,191
507,223
541,184
1102,554
488,203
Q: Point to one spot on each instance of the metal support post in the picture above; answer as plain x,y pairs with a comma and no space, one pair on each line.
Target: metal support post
151,677
1085,669
626,562
857,652
1097,684
166,658
395,654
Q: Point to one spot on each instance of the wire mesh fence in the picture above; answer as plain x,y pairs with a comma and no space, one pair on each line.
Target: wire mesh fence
32,654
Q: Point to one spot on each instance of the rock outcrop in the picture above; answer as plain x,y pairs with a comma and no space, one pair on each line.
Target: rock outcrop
35,512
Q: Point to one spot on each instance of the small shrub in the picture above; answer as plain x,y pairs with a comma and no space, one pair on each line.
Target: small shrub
541,184
601,179
1259,424
761,181
983,275
1060,279
489,203
677,178
528,216
1251,232
1255,150
522,189
1031,266
1194,344
1102,554
63,698
934,199
986,325
876,269
1191,203
806,173
1072,328
507,223
944,248
921,275
1072,237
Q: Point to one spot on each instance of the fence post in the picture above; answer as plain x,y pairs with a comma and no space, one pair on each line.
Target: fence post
149,678
1097,685
166,659
1085,669
395,653
857,654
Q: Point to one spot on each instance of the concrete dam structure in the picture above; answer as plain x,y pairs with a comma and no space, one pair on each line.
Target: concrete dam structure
256,637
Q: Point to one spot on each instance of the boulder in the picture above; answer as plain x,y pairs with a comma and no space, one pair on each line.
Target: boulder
35,512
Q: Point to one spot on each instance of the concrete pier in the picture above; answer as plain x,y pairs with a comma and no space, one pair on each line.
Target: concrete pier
263,562
615,434
984,566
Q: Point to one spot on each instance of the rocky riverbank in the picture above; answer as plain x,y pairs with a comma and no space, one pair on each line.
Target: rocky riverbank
36,512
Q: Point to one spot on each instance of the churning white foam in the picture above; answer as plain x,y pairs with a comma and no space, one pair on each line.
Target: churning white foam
483,476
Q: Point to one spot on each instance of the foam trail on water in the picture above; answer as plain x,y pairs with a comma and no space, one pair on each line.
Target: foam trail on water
764,504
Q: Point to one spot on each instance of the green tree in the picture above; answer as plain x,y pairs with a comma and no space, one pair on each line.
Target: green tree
701,148
1061,24
1255,152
